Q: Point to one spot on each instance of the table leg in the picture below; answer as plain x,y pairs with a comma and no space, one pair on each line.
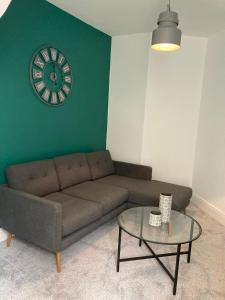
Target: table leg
118,252
140,243
176,269
189,252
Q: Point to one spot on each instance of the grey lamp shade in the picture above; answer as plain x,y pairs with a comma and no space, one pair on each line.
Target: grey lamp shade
167,37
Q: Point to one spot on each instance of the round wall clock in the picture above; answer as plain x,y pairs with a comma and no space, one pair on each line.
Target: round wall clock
51,75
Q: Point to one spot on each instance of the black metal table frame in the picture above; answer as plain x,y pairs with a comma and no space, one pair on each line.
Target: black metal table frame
178,253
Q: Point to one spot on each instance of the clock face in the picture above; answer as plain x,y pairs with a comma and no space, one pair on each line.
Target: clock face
51,76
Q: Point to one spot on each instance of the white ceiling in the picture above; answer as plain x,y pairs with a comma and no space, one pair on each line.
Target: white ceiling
117,17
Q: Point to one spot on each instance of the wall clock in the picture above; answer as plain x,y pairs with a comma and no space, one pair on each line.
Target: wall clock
51,76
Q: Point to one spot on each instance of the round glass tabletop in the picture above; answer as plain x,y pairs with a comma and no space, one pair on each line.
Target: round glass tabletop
181,229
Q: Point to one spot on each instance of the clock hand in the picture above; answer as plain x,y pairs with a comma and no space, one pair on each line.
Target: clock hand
55,76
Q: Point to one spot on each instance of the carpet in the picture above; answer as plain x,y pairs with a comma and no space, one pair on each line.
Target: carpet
89,268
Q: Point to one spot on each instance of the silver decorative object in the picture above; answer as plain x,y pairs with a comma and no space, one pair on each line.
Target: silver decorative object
66,89
53,54
61,59
38,62
61,96
37,74
45,54
155,218
66,68
39,86
54,98
68,79
165,205
46,95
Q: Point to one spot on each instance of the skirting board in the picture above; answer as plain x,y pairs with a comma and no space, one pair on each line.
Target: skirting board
3,235
210,209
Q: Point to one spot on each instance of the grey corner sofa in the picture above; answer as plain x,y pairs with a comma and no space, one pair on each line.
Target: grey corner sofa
53,203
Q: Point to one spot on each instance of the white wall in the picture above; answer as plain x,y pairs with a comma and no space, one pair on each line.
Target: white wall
171,112
209,173
129,62
153,113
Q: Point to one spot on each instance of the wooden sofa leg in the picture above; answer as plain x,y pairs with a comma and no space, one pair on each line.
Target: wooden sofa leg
183,211
58,261
9,239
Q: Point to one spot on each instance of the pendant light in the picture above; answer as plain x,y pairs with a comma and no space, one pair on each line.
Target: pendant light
167,37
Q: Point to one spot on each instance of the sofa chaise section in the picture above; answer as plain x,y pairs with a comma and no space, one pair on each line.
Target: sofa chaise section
142,192
137,180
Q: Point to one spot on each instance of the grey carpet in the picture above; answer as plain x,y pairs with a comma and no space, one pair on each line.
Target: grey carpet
89,271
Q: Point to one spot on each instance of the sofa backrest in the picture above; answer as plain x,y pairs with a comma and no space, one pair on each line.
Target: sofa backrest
44,177
72,169
38,178
100,164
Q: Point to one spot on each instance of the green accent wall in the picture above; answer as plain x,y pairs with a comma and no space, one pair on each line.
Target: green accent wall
30,129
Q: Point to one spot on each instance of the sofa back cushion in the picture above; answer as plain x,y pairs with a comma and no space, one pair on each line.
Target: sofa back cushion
38,178
72,169
100,164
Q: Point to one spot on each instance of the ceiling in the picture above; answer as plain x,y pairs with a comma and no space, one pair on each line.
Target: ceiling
118,17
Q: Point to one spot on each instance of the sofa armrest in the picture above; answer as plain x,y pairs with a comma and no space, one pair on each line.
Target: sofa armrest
34,219
133,170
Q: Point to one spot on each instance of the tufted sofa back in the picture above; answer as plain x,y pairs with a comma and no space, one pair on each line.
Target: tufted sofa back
44,177
100,164
38,178
72,169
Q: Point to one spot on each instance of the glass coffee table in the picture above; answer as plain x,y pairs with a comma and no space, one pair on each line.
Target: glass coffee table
182,229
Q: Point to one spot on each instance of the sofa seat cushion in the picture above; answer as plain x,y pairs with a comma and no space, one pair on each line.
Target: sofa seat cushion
145,192
108,196
72,169
38,177
60,198
100,163
76,212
